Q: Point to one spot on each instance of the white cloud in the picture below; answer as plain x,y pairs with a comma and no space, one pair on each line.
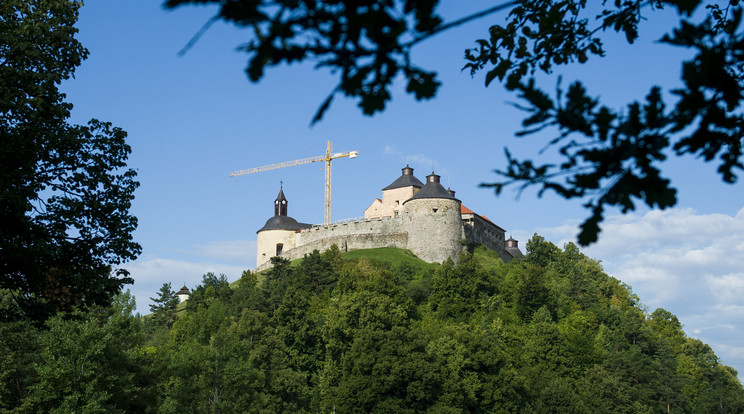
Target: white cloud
234,251
685,262
734,351
419,161
729,288
230,257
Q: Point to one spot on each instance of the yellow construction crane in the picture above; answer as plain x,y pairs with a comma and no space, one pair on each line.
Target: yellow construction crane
328,157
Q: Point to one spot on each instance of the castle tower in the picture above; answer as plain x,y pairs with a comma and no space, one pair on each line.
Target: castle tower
394,195
511,246
183,294
280,204
279,233
434,223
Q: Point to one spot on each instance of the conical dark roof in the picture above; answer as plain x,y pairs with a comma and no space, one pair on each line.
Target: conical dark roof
283,223
280,204
281,196
405,180
184,291
432,189
512,247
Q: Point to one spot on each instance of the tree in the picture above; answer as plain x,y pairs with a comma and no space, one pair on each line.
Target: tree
541,252
65,191
213,288
375,359
90,362
163,310
610,157
457,291
208,364
19,349
318,271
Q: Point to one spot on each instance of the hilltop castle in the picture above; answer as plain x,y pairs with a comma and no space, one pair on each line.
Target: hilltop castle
424,218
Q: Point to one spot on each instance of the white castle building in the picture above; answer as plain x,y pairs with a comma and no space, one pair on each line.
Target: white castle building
426,219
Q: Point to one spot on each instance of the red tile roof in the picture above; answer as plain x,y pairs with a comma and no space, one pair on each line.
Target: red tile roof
465,210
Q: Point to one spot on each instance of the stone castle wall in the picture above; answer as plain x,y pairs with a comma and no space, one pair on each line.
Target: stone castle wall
382,225
478,230
432,225
431,235
354,235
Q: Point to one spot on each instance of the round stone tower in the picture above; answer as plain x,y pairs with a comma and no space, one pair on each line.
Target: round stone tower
278,234
434,222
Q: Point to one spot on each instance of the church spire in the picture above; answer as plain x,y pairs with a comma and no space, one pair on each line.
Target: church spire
280,204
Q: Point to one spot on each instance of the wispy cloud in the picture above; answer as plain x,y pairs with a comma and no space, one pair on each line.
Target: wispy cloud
234,251
421,161
230,257
728,288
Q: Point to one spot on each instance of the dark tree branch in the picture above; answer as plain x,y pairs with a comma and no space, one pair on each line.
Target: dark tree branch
195,38
459,22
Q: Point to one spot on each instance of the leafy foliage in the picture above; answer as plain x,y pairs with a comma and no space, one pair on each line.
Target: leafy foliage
609,157
90,362
164,306
560,336
367,42
65,190
612,157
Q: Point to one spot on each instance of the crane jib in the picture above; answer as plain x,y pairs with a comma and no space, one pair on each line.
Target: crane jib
328,157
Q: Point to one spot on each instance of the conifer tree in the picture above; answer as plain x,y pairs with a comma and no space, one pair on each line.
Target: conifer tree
163,310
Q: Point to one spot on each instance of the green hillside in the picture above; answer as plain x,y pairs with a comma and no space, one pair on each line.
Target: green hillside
380,331
389,256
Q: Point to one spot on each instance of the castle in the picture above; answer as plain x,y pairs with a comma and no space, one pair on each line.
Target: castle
426,219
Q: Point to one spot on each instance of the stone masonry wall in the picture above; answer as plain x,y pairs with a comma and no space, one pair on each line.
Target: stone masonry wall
478,230
431,235
355,235
434,228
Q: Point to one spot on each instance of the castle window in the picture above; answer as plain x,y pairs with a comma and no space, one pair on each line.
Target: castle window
434,210
279,247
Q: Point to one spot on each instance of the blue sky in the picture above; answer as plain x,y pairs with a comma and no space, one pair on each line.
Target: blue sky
193,119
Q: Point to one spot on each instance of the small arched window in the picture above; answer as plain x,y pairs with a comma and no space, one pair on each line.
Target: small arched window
279,247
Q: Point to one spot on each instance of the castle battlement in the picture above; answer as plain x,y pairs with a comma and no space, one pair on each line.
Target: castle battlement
345,222
426,219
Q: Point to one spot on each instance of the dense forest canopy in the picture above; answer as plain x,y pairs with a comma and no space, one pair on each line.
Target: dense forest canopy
376,331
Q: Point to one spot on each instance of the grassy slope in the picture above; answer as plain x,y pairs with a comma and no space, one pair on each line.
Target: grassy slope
388,255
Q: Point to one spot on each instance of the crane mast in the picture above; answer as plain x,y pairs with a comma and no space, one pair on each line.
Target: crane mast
327,158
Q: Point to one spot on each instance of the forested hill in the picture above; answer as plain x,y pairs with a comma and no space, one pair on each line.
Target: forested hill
378,332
